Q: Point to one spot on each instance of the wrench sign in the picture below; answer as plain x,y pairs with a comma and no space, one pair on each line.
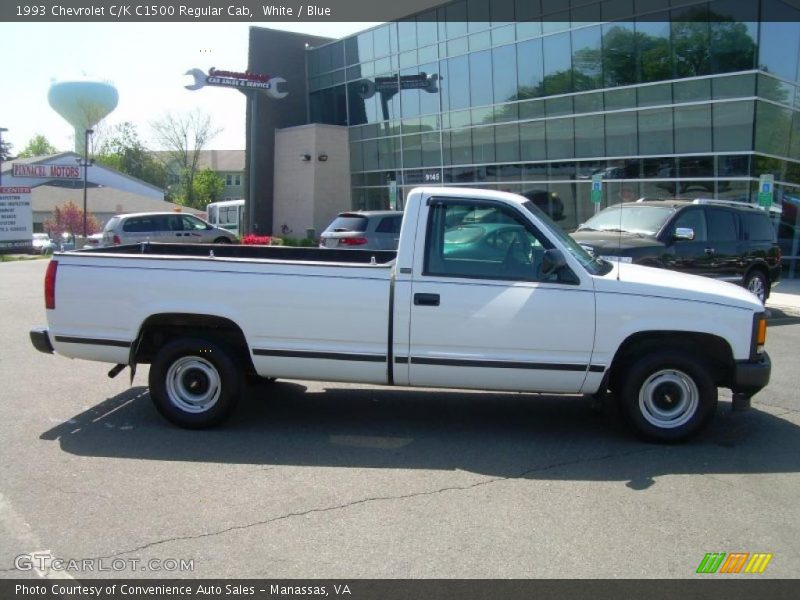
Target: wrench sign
271,86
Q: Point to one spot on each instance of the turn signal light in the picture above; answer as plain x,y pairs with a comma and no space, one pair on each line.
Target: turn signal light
761,335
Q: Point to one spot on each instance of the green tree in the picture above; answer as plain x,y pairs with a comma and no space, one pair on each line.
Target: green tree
183,137
123,150
38,146
208,187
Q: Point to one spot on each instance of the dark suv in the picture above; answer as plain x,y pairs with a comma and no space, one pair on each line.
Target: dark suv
727,240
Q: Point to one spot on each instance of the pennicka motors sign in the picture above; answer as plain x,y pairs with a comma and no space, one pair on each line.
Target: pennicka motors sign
47,171
233,79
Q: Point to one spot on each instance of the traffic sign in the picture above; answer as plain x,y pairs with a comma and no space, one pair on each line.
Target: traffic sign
766,188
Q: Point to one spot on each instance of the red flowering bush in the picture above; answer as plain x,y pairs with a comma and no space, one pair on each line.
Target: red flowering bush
257,240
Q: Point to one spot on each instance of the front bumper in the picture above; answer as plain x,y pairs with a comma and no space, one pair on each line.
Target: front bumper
41,340
751,376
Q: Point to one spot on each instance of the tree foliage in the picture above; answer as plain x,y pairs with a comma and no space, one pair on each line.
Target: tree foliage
183,137
123,150
38,146
69,218
208,187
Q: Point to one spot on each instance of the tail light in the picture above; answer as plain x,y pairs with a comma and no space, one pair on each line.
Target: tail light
117,241
50,285
353,241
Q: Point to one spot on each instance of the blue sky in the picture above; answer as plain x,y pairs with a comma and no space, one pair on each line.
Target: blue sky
144,61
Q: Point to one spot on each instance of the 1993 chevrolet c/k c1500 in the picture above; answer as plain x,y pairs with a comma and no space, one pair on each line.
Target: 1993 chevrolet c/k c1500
484,292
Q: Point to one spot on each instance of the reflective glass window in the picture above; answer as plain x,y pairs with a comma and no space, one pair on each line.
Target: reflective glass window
589,136
460,146
733,166
531,110
431,149
557,64
618,99
655,131
427,29
734,86
370,150
560,136
503,35
554,22
619,54
356,157
554,107
776,90
691,41
696,166
456,19
366,49
733,34
794,146
483,144
382,45
528,29
504,73
587,60
479,15
693,128
589,102
386,153
456,83
412,151
653,48
654,95
779,38
507,142
733,123
621,134
532,141
480,77
773,125
694,90
530,66
721,225
429,97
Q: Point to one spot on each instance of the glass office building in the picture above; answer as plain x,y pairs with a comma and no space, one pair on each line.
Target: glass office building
662,99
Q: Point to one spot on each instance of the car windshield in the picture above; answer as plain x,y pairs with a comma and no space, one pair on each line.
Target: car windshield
591,264
631,218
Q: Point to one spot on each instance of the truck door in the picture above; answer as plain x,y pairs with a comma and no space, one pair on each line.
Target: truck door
484,316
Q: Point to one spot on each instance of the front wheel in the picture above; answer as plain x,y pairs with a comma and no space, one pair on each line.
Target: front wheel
222,240
668,395
194,383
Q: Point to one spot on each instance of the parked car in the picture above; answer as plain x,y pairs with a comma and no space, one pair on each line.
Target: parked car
363,230
166,227
726,240
42,244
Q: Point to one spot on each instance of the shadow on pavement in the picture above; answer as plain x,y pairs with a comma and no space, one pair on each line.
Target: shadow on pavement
497,434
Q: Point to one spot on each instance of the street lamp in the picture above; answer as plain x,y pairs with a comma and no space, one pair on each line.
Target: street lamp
86,164
2,130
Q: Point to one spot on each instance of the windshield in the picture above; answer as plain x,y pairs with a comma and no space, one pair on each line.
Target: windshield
593,265
632,218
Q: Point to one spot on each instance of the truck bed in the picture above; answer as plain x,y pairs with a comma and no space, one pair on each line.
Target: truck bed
279,253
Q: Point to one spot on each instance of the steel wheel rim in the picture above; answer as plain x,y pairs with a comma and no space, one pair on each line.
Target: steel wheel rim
756,286
668,399
193,384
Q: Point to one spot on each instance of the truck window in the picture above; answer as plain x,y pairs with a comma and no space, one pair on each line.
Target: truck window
694,219
757,227
721,225
501,248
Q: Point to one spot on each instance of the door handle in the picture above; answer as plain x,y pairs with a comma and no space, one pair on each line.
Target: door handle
426,299
709,250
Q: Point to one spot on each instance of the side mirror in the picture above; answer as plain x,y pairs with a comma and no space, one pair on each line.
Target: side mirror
684,233
552,261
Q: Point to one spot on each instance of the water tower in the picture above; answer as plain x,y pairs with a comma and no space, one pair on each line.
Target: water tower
83,104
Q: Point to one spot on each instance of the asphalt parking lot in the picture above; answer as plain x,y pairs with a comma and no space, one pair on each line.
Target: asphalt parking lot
354,481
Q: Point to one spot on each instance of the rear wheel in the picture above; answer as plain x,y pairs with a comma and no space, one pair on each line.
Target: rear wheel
668,395
756,283
222,240
194,383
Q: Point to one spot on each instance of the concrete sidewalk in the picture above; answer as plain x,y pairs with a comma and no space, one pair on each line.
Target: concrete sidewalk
786,295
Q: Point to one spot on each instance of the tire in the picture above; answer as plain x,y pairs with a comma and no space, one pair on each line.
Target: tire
667,395
756,283
187,364
222,240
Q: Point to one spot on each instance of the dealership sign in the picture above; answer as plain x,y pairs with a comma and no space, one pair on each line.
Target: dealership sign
47,171
16,218
234,79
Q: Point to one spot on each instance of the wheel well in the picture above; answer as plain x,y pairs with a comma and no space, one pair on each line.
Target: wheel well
710,349
158,330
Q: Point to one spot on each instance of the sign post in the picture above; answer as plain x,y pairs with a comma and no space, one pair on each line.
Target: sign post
597,191
16,219
393,194
766,187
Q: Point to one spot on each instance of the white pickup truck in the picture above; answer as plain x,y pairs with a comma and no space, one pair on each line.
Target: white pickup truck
484,292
